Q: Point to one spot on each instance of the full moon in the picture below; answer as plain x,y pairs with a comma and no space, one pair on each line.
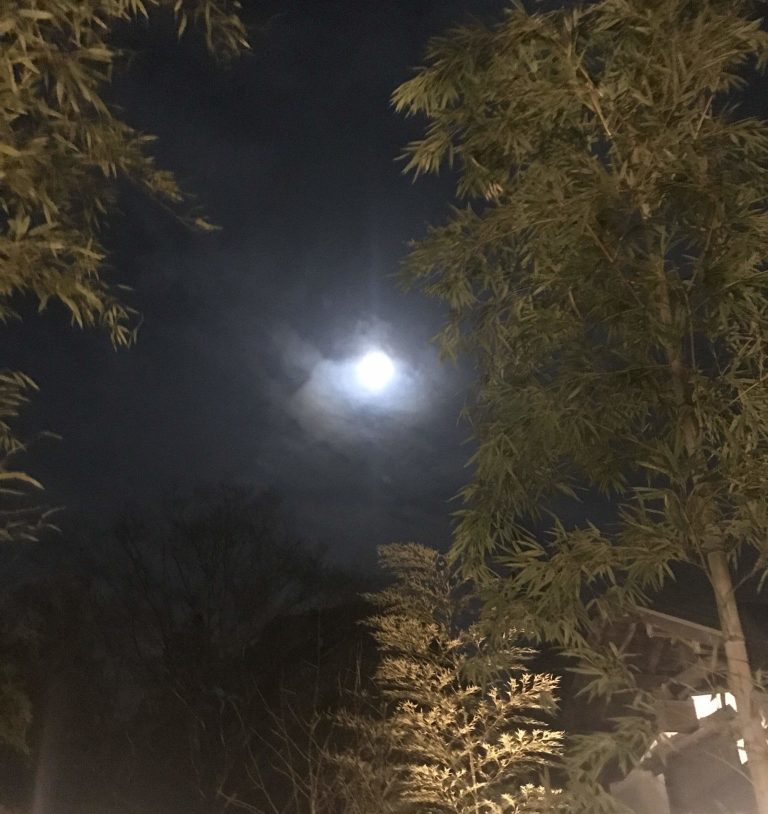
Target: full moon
375,371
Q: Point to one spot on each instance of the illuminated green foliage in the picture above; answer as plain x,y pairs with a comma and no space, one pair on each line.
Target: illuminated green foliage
19,522
62,153
607,273
62,148
467,719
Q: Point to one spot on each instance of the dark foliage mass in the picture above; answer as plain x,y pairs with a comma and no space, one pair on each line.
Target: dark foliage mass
151,673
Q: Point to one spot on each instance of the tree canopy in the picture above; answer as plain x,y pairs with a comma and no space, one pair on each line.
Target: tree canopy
607,274
468,718
63,148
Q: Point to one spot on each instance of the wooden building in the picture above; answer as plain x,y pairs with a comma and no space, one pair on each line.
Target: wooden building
697,764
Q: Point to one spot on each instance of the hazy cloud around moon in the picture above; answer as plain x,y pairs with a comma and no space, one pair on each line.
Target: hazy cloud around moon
328,402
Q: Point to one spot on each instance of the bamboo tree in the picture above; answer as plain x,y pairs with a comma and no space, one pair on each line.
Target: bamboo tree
467,726
63,148
608,275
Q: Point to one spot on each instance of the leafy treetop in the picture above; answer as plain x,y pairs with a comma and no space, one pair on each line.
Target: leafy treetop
607,272
62,148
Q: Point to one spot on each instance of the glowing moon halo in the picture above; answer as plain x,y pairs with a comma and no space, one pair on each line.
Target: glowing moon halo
375,371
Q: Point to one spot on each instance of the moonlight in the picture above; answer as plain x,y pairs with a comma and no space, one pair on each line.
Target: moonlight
375,371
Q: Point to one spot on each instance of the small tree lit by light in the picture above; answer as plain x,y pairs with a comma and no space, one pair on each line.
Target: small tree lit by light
375,371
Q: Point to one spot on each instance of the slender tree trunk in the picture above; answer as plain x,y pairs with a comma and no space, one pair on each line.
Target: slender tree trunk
740,677
739,672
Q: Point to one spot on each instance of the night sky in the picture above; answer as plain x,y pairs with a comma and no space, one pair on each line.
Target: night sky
242,365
